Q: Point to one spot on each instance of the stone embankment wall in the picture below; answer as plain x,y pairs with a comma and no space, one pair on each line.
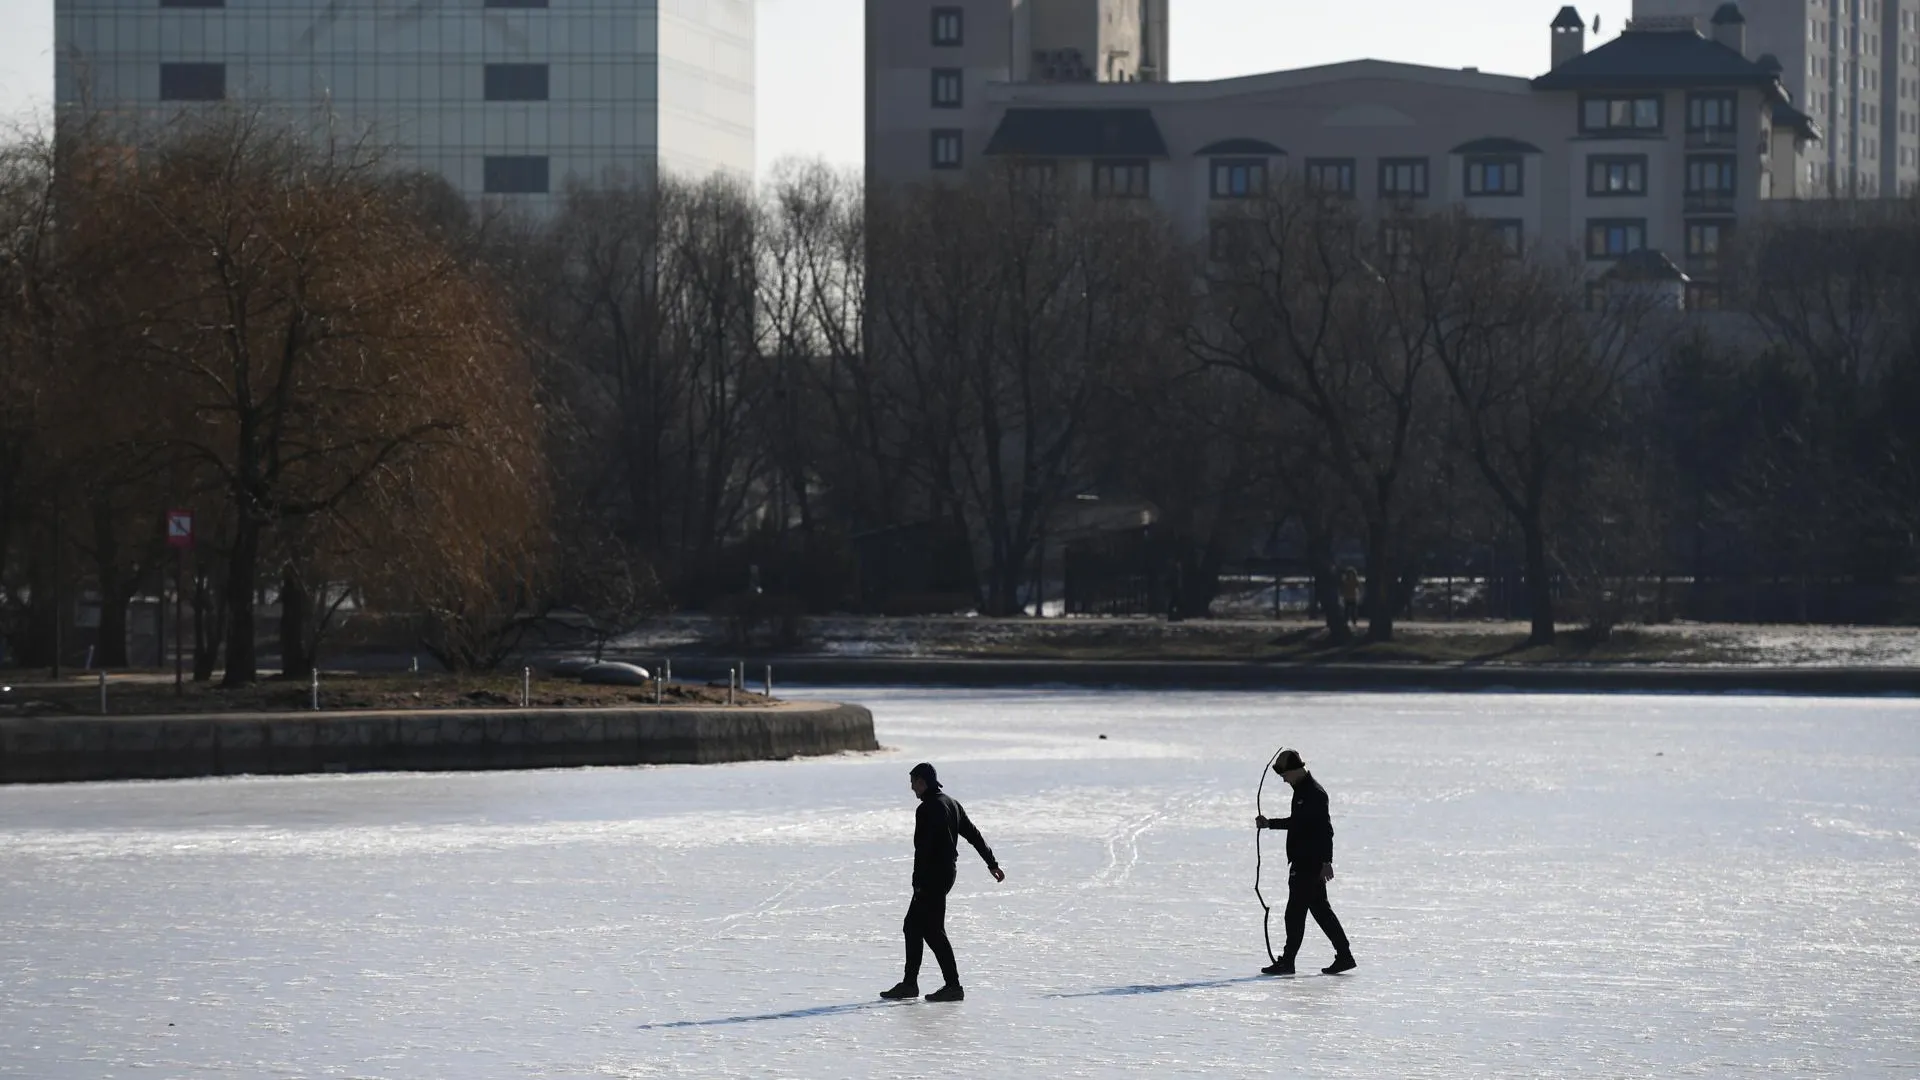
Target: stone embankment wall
50,749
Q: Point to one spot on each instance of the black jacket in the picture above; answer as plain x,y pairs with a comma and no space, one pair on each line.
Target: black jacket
937,826
1310,829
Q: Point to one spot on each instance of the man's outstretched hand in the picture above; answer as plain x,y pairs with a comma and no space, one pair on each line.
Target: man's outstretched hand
1259,821
998,874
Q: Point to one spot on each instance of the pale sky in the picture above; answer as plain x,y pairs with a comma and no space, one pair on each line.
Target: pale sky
810,52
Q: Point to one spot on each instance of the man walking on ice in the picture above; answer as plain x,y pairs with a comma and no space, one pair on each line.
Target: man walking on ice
937,826
1309,866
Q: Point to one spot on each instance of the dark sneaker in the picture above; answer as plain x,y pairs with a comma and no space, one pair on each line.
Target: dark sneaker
949,992
1278,967
1341,963
903,990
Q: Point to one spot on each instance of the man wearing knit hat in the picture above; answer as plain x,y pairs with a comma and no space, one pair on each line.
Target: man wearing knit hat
937,826
1309,866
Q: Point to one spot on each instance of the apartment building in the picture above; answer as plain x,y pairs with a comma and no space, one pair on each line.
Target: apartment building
1854,65
930,66
1654,145
508,99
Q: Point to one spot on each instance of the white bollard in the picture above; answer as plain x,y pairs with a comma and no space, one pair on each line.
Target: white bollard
767,687
316,689
103,693
526,687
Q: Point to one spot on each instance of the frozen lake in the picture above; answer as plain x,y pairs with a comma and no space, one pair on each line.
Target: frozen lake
1535,886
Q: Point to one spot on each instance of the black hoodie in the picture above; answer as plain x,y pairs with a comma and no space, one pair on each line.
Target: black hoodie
937,826
1310,829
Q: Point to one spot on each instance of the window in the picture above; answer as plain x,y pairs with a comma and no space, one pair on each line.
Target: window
516,82
193,82
946,88
1639,114
1710,176
946,148
1120,179
1509,231
517,175
1705,239
1231,239
193,3
516,3
1493,176
1238,179
1612,238
1711,114
1610,175
1597,295
1332,176
1396,245
1403,178
1036,174
948,29
1703,296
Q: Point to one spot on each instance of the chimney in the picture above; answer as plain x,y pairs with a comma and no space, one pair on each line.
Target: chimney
1730,27
1569,36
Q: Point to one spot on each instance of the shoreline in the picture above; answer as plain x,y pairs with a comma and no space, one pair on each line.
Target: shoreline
38,750
974,672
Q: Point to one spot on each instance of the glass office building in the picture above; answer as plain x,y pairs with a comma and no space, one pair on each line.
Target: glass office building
508,99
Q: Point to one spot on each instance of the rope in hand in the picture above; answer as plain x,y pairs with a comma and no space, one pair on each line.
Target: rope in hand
1266,919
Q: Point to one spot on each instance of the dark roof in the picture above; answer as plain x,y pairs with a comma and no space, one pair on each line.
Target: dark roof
1239,146
1656,60
1569,19
1645,264
1728,13
1077,133
1785,113
1496,144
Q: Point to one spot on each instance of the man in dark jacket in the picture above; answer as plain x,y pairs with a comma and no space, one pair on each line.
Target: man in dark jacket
1309,866
937,827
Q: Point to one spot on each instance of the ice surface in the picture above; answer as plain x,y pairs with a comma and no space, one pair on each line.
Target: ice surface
1535,886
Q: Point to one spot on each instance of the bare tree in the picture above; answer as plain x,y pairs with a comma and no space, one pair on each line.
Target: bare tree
1329,313
1008,334
1540,380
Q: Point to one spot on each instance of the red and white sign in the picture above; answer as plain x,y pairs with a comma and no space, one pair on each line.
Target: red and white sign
180,528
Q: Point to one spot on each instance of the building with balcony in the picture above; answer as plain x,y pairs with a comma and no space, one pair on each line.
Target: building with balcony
508,99
1662,139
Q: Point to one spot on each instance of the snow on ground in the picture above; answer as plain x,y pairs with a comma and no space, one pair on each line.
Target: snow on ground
1595,886
1735,643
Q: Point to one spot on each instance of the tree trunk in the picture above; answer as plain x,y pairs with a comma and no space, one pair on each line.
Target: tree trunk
1539,583
1378,597
296,616
1326,585
209,628
243,666
111,643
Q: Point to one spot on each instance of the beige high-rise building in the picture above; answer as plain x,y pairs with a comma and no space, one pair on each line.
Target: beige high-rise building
1853,65
1647,151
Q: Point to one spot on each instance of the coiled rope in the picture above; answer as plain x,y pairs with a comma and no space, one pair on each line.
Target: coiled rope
1266,919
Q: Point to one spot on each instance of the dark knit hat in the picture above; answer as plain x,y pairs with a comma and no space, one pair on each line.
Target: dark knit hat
1287,761
924,771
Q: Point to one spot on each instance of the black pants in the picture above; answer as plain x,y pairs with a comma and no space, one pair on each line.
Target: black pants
927,922
1307,891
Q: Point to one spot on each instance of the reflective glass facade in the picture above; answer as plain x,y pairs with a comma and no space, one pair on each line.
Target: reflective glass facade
587,86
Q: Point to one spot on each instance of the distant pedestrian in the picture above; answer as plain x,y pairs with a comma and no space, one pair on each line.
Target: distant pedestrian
1350,595
1309,866
938,825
